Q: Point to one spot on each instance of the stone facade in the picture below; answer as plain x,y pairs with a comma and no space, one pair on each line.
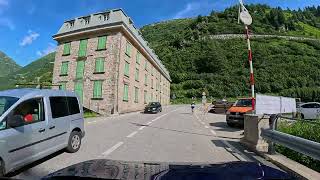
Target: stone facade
113,78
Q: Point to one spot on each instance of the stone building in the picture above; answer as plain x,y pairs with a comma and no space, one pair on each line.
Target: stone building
106,61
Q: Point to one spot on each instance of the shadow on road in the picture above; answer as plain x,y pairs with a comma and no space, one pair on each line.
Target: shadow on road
36,163
224,127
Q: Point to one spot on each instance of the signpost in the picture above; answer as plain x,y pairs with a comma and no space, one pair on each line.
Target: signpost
246,19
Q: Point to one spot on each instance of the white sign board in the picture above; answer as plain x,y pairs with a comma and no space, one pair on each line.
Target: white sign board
274,104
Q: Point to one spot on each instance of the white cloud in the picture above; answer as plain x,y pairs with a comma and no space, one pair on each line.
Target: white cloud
31,9
51,48
6,22
189,9
28,39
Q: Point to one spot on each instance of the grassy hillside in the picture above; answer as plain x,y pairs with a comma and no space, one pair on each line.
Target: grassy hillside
220,67
7,65
40,68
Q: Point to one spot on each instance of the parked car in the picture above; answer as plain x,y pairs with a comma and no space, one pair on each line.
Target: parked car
220,107
235,115
153,107
35,123
310,110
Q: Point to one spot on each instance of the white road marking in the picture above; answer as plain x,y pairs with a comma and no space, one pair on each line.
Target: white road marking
148,123
213,132
132,134
206,127
202,123
141,128
89,122
109,151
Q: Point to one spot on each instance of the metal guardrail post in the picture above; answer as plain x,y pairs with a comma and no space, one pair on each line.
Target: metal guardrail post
273,126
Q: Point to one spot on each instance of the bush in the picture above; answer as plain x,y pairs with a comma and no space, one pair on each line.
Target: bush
305,130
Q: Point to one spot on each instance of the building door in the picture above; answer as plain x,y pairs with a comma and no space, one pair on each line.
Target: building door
78,89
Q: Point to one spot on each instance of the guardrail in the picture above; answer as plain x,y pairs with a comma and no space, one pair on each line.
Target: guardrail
301,145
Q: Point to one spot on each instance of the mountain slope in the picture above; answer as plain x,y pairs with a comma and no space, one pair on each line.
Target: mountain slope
42,68
219,66
7,65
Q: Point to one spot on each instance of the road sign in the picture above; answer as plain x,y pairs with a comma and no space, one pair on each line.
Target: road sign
246,18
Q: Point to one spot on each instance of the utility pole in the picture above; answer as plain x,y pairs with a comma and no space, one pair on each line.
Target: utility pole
246,19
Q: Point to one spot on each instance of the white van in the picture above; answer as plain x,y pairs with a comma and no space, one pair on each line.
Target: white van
35,123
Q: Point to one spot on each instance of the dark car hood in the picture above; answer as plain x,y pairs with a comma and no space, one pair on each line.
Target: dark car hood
110,169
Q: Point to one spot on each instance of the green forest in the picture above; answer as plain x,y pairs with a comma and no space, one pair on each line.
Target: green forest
219,67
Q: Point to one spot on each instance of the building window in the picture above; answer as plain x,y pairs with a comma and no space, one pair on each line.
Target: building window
86,20
136,94
102,43
64,68
128,49
151,70
151,83
138,58
126,93
78,89
146,65
146,79
63,86
99,65
145,96
97,89
136,76
80,69
126,69
66,48
83,48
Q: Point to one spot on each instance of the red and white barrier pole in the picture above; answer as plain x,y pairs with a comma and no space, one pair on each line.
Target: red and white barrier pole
246,18
251,67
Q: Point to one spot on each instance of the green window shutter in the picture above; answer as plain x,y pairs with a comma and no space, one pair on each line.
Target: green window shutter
146,79
99,65
152,83
83,48
64,68
63,86
138,57
80,69
66,48
126,69
136,94
145,95
126,92
97,89
146,65
78,89
128,49
137,74
102,42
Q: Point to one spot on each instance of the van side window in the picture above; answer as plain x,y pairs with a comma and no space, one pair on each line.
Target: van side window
73,105
31,110
59,107
64,106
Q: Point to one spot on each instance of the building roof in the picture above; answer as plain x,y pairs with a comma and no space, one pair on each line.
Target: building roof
110,18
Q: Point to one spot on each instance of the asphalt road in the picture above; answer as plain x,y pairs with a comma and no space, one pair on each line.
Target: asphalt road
174,135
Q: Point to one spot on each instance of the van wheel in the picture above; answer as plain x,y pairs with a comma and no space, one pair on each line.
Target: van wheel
302,116
74,142
1,168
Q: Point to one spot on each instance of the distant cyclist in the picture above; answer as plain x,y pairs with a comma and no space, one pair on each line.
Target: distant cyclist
193,105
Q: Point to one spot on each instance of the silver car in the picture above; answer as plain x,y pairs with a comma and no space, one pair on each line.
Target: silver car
35,123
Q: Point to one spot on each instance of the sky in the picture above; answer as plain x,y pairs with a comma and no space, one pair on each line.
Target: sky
27,26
